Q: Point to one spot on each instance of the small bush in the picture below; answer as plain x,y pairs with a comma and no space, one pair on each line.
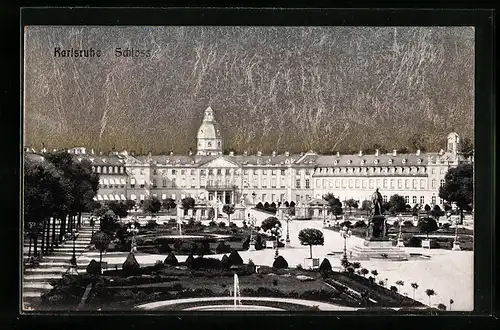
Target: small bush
346,223
222,248
250,263
151,224
446,225
280,262
325,266
359,224
232,225
206,263
226,263
299,267
235,259
94,268
212,224
171,259
408,223
393,288
222,224
414,242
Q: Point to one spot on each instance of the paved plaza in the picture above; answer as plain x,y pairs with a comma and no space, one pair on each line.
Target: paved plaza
448,273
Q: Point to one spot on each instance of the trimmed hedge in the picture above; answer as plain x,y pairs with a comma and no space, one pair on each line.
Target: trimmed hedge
280,262
171,259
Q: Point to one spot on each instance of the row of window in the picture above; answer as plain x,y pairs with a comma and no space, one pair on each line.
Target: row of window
382,170
358,183
109,169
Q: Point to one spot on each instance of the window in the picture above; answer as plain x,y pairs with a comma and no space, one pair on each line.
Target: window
245,172
183,172
132,185
202,212
433,185
218,144
141,185
227,171
282,172
210,172
154,183
344,183
202,172
307,172
297,198
308,184
441,183
384,198
141,171
407,199
210,144
441,201
307,197
273,197
273,182
330,183
282,197
433,170
174,172
122,169
442,171
155,172
407,184
414,184
371,184
164,182
414,198
318,183
173,183
433,200
264,183
357,183
192,172
219,171
282,182
337,183
422,200
392,183
350,183
385,183
400,184
264,197
324,183
273,172
193,183
98,169
422,184
255,185
104,169
297,183
110,169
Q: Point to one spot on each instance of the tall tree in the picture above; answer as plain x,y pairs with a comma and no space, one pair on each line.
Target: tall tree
334,204
188,203
350,203
366,205
467,147
397,204
228,209
152,205
458,187
270,223
168,204
427,225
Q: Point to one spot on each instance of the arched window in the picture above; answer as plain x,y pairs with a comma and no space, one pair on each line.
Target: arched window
110,169
442,182
209,144
433,183
218,144
98,169
116,169
104,170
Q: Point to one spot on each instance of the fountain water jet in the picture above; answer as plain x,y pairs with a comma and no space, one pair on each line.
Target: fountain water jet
237,295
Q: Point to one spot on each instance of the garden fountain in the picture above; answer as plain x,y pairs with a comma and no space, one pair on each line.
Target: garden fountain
237,295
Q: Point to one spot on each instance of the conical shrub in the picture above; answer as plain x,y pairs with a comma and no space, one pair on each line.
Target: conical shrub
189,261
131,264
94,268
226,262
171,259
235,259
280,262
325,266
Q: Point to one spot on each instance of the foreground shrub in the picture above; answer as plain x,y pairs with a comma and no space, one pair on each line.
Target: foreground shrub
235,259
131,264
206,263
164,248
225,262
151,224
189,261
359,224
346,223
280,262
325,266
222,224
94,268
446,225
222,248
408,223
212,224
171,259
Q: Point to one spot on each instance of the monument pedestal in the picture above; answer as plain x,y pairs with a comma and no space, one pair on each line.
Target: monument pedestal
456,246
378,249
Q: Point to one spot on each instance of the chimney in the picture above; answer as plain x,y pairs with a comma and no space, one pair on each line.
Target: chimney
360,153
171,153
338,154
259,153
418,152
394,153
274,153
231,153
287,154
377,152
190,152
441,152
245,153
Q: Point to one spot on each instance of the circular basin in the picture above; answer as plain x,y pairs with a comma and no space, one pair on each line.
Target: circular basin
233,308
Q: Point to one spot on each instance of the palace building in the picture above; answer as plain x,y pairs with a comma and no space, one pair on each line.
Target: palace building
209,175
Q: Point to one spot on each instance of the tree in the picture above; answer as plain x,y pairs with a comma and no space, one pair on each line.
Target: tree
458,187
120,209
397,203
451,303
101,242
400,283
259,206
168,204
441,307
364,271
311,236
393,288
467,147
334,204
109,223
188,203
430,293
427,208
375,273
228,209
415,287
436,212
325,266
152,205
270,223
366,205
130,204
427,225
350,203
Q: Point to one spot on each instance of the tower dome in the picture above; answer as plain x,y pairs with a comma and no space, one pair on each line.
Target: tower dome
209,137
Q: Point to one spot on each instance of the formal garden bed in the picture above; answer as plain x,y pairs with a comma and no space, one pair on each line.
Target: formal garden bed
133,285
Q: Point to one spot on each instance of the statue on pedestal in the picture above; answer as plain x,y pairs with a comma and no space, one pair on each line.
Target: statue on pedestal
376,203
377,225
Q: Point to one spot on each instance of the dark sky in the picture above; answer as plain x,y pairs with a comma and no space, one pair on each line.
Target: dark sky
284,88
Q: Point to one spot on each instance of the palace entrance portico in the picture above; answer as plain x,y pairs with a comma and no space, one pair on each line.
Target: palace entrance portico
223,193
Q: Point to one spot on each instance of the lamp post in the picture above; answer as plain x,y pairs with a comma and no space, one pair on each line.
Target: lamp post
400,236
73,266
456,244
287,240
252,221
345,233
133,231
253,197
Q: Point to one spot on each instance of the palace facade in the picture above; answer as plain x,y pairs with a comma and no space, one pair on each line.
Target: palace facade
210,175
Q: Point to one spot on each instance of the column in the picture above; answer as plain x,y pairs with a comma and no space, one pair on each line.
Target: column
223,197
232,197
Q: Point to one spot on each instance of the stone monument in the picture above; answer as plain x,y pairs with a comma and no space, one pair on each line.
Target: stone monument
377,243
